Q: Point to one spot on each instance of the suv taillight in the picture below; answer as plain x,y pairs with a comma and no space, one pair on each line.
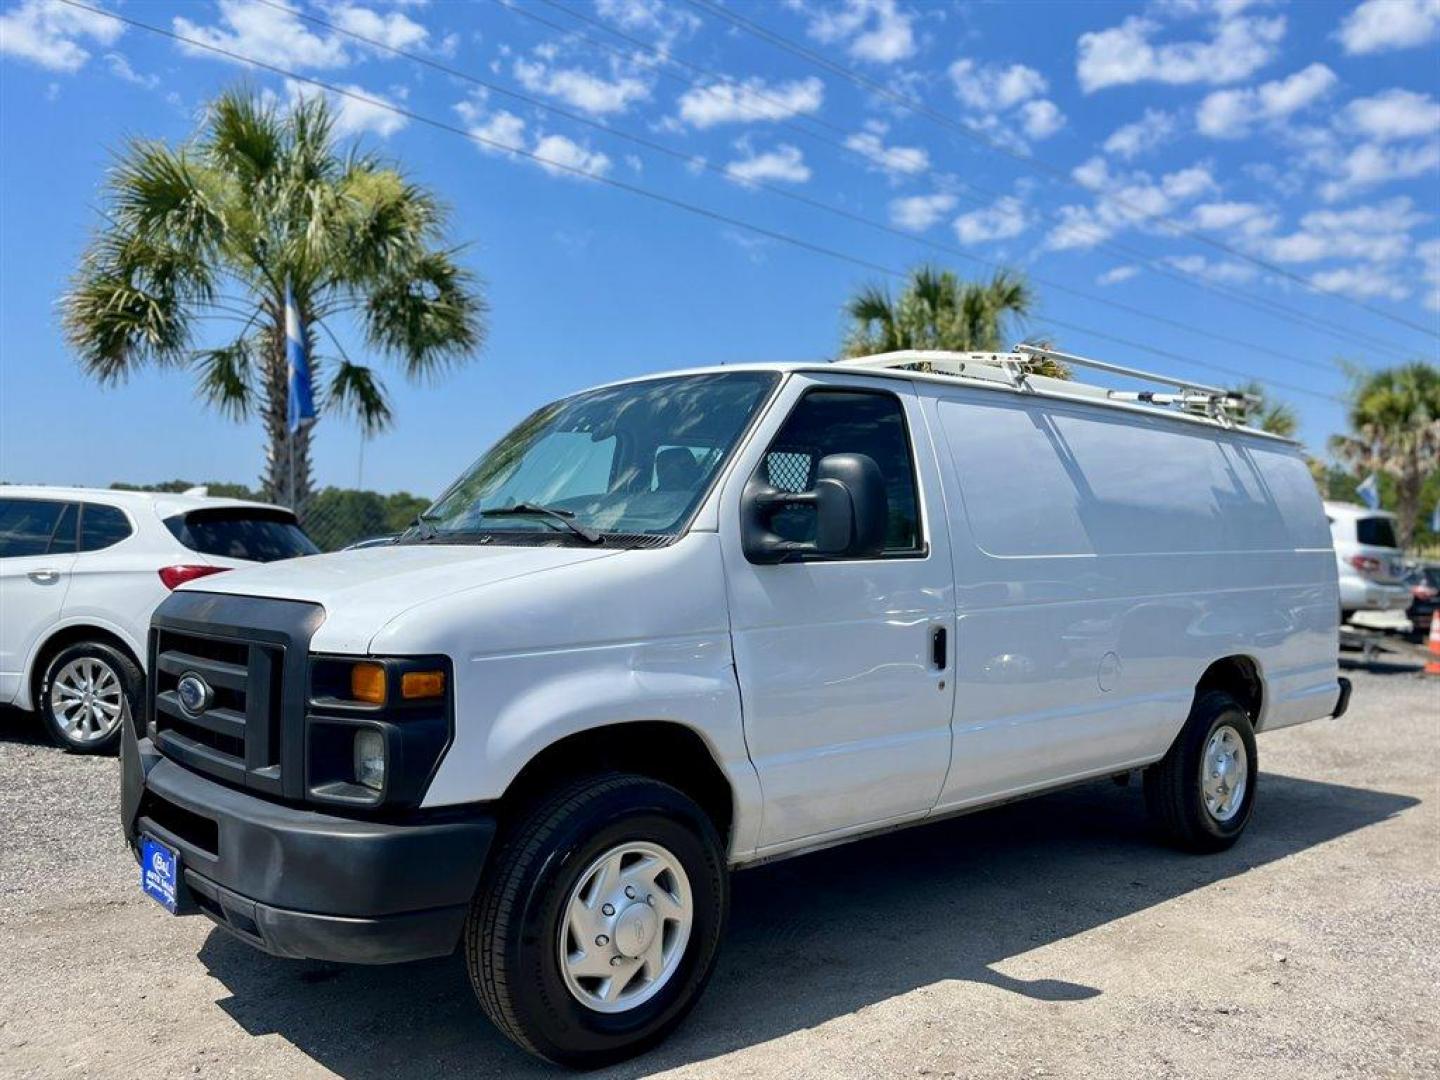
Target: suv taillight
175,576
1365,564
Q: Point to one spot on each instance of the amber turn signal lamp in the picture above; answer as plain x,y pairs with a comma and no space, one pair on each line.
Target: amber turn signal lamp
367,683
418,685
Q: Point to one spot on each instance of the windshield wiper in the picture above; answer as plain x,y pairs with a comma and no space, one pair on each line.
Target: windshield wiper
563,517
424,526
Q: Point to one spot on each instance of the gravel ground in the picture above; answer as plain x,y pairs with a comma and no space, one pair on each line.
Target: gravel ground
1047,938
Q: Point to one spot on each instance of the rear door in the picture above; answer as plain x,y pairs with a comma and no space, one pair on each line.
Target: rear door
844,664
37,553
115,582
1375,539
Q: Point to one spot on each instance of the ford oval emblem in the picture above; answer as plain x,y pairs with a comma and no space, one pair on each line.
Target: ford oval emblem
194,693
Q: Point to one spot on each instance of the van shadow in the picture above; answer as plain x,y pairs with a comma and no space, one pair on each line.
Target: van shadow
819,936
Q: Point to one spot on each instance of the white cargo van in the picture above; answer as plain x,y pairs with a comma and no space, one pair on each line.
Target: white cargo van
678,625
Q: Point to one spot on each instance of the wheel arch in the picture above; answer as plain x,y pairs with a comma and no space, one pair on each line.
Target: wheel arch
62,637
663,750
1240,676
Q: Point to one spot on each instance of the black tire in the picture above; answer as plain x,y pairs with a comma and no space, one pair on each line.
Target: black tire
109,659
512,945
1173,786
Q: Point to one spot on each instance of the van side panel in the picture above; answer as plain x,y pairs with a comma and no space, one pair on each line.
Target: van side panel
1102,562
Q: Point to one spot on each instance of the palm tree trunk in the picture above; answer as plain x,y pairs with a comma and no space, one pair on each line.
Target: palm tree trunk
285,482
1408,499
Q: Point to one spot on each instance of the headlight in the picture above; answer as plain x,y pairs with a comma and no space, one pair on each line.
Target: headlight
370,758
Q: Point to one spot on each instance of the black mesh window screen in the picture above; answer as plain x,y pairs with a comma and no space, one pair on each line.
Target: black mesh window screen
790,470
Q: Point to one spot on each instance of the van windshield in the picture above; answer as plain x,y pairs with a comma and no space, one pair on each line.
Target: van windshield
633,459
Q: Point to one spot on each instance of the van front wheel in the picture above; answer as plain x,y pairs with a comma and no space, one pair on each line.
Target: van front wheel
1201,794
598,924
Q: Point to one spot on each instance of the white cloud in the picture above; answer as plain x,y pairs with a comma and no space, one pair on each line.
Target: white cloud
49,33
1124,54
1365,282
394,29
896,160
1429,253
1003,219
1382,25
874,30
1371,164
1130,141
992,88
1041,119
352,116
1379,232
1127,201
1394,114
749,101
919,212
785,163
585,91
664,23
1230,114
1117,275
263,33
503,132
1220,271
1244,218
121,69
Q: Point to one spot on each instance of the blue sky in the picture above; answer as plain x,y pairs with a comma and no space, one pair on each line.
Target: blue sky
1091,145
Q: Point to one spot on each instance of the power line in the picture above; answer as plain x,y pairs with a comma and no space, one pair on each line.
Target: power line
1028,160
698,162
621,185
1264,305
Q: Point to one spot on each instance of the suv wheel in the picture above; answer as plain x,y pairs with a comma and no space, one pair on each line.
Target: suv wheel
89,690
1201,794
598,924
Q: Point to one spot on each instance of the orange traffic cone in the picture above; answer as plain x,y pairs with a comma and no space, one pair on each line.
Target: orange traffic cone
1432,665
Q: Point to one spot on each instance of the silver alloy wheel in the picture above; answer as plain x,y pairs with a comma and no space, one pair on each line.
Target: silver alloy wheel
87,700
624,928
1224,773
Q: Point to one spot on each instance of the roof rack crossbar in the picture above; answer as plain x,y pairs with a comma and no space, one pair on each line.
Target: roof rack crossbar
1016,366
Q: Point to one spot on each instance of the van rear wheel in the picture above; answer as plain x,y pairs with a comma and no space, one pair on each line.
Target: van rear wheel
598,924
1201,794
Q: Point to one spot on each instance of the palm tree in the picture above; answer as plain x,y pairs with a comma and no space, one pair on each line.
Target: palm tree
1394,418
1276,417
213,230
936,310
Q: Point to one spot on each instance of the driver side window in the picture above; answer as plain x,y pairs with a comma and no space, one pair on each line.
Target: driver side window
846,422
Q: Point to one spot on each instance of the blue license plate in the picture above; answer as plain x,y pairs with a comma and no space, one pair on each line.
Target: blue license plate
159,873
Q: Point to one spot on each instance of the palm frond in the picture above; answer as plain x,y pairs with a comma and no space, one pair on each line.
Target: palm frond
227,377
356,391
427,313
244,136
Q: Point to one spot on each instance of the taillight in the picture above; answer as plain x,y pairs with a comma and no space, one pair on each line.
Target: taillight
1424,592
1365,564
175,576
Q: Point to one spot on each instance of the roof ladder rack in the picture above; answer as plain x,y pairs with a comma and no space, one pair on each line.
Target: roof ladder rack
1017,369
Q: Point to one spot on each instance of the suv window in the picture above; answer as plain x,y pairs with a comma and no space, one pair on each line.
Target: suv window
36,527
102,526
1376,532
845,422
242,533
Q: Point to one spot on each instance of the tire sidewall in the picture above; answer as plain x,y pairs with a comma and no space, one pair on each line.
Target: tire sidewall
1224,711
125,671
571,1033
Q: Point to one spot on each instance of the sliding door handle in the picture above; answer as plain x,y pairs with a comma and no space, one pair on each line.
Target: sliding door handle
939,647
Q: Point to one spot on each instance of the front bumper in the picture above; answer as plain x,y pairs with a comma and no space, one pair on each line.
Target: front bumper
298,883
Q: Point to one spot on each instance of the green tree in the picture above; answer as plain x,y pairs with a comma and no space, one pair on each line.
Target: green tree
1394,417
1276,417
936,310
213,230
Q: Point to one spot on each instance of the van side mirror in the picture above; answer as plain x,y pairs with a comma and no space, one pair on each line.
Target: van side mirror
850,506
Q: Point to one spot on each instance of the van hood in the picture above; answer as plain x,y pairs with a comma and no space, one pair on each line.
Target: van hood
363,590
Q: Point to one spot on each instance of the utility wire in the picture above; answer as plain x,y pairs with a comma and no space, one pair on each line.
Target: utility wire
919,107
621,185
974,192
695,161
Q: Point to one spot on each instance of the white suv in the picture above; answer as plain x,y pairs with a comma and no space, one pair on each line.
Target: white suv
81,571
1368,558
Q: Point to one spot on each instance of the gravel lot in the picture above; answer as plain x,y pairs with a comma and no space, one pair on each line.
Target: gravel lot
1048,938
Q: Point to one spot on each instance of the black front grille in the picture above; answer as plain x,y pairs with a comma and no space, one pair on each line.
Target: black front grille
251,655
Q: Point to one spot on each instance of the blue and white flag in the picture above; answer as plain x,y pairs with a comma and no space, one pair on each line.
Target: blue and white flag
302,395
1369,491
